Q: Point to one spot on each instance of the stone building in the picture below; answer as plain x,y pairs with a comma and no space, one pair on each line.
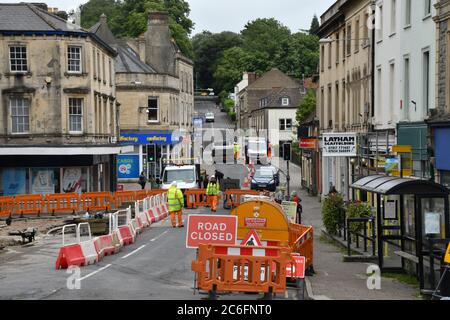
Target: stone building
344,94
154,84
58,110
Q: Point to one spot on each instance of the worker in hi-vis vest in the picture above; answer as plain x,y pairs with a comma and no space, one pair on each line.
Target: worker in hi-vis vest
176,203
213,192
236,150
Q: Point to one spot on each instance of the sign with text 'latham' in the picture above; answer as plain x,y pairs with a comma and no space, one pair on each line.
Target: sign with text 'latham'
339,145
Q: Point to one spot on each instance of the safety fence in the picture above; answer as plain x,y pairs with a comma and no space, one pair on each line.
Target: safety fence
233,197
301,240
231,268
36,204
196,198
123,227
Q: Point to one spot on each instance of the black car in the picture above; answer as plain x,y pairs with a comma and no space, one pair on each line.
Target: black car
264,180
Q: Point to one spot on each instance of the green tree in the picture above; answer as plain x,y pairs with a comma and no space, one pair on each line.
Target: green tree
306,107
315,25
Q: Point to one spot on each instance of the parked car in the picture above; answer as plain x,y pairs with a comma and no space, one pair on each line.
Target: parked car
209,117
275,171
264,180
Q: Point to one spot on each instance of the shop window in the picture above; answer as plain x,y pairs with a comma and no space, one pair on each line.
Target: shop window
45,180
74,180
153,110
20,115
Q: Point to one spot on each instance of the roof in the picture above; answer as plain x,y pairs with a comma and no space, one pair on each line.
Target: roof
274,78
27,19
387,185
274,99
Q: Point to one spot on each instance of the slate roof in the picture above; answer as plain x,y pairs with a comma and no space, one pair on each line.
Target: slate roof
275,97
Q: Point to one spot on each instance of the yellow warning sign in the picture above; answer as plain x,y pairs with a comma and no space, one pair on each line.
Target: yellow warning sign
447,255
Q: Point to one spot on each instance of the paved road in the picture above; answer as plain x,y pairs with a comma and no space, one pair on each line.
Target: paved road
156,266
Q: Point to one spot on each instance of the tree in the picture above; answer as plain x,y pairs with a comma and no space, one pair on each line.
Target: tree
208,48
306,107
315,25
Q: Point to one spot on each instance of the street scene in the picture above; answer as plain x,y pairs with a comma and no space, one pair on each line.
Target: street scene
151,152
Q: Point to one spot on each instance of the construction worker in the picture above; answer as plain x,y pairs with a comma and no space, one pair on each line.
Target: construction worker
176,203
269,151
213,192
236,150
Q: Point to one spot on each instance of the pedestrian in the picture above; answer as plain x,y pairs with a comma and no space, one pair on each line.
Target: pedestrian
295,198
213,192
176,203
142,180
333,191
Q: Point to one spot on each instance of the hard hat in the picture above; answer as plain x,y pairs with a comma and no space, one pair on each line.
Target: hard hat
213,176
173,184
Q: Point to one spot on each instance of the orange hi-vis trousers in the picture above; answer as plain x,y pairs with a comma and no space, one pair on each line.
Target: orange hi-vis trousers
179,214
213,201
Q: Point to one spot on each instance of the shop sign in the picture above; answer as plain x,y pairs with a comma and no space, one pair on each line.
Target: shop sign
308,143
160,138
339,145
128,166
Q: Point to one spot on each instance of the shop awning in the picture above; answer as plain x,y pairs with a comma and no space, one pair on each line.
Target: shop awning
88,150
387,185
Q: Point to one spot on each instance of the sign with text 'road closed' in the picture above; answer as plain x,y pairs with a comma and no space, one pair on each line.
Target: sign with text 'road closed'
208,229
339,145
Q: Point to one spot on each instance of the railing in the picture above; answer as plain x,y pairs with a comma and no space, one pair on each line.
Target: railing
368,222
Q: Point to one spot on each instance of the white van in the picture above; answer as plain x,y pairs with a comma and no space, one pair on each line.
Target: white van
184,175
257,150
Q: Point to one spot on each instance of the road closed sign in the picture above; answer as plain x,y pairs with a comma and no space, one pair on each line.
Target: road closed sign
209,229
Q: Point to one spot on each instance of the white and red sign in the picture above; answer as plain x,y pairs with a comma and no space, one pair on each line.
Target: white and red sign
209,229
252,239
255,222
298,269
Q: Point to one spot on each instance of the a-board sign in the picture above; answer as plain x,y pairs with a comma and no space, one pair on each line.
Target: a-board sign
209,229
252,239
296,270
290,210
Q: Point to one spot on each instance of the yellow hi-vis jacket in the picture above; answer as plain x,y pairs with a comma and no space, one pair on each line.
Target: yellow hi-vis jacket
175,199
236,148
213,189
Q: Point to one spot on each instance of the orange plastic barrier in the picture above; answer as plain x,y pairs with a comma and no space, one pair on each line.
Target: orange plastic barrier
196,198
301,241
220,268
141,194
28,204
92,201
233,196
124,196
62,202
6,206
155,192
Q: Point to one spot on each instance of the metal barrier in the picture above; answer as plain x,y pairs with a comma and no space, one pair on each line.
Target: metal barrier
124,196
29,204
62,202
367,222
6,206
231,268
96,201
233,197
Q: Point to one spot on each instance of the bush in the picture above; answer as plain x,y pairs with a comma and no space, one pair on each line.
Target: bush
332,210
358,210
232,116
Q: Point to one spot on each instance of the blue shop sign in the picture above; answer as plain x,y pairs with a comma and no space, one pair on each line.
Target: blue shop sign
442,151
150,138
128,166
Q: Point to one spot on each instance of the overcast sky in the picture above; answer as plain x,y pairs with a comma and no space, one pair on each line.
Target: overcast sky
232,15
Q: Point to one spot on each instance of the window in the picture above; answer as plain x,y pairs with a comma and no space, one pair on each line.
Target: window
94,62
18,58
20,115
337,47
406,95
153,112
322,58
285,124
391,87
103,67
380,23
75,115
427,7
110,73
357,36
329,107
393,16
98,66
329,55
74,59
344,38
407,13
426,80
285,101
349,39
336,107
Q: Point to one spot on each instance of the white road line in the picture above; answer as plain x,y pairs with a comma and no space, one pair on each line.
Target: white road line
156,238
134,251
97,271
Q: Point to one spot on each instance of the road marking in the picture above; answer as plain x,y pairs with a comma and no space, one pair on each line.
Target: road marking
134,251
97,271
156,238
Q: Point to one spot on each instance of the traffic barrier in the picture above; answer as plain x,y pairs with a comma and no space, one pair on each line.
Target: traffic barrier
233,197
125,231
139,211
231,268
301,240
155,192
197,198
29,204
141,194
62,202
6,206
124,196
92,201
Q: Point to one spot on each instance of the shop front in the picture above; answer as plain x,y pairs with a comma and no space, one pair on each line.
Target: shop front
442,154
309,165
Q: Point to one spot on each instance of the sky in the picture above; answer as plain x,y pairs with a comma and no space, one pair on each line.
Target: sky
232,15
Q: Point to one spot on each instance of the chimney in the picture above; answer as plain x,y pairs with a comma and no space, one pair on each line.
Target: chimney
159,49
252,77
103,19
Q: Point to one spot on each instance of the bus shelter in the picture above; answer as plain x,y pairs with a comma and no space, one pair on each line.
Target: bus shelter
412,225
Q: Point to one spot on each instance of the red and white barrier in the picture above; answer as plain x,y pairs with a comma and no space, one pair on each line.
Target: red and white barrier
139,211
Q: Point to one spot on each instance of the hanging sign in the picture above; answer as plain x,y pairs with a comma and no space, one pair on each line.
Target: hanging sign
339,145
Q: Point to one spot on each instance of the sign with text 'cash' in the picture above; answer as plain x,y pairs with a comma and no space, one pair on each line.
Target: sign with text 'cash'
339,145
